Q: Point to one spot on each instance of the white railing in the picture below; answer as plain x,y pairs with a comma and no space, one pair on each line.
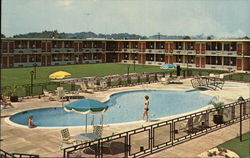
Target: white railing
130,61
28,50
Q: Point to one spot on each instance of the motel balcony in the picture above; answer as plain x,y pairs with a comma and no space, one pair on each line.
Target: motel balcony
225,67
28,50
130,61
26,64
130,50
154,62
223,53
155,51
91,50
190,65
92,61
62,62
184,52
62,50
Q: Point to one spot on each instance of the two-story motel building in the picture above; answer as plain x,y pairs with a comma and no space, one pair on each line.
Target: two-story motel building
211,54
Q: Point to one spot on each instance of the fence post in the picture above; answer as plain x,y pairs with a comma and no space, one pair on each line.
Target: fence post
147,77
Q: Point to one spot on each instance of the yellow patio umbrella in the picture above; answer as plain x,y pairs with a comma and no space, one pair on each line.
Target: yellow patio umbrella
59,75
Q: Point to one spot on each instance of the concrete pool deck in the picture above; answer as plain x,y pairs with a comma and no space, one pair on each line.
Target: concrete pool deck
46,141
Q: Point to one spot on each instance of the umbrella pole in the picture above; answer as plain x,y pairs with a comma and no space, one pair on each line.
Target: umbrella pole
102,120
86,123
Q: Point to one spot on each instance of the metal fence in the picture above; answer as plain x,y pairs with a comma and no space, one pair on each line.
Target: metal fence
112,81
149,139
4,154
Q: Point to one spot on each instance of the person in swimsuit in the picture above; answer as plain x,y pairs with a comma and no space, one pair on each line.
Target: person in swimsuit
146,109
31,123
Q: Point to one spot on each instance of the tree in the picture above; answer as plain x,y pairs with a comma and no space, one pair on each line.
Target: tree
2,35
186,38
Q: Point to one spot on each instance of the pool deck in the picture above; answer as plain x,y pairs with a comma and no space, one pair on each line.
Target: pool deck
46,141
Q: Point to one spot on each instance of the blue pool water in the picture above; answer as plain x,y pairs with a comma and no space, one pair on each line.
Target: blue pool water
123,107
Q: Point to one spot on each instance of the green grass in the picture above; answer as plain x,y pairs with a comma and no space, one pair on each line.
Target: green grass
21,76
241,148
239,77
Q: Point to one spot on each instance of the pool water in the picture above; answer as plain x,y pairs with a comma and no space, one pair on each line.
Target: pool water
125,106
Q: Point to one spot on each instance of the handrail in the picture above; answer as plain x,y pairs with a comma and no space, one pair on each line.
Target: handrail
4,154
172,123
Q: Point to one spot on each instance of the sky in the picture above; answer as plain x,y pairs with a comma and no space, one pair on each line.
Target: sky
222,18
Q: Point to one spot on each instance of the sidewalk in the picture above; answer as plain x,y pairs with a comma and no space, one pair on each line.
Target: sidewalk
201,144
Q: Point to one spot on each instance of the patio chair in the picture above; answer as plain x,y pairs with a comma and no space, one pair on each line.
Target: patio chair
175,80
93,86
84,88
186,126
48,96
103,86
211,75
60,94
67,140
97,130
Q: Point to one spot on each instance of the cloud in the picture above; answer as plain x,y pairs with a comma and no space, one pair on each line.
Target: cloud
65,3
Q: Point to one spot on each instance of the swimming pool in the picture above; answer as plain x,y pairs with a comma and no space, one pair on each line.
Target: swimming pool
124,106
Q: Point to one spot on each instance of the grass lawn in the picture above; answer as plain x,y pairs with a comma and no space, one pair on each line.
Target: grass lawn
241,148
239,77
21,76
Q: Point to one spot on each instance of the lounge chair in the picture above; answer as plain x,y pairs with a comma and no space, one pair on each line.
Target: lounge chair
60,94
93,86
103,86
174,80
5,104
48,96
186,126
84,88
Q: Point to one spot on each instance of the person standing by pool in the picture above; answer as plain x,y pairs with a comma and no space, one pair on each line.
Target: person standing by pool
146,108
31,123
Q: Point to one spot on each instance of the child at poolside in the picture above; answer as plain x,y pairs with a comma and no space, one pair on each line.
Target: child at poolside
31,123
146,109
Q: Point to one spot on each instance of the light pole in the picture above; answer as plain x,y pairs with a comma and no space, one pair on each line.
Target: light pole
134,62
35,65
241,100
31,82
128,69
187,64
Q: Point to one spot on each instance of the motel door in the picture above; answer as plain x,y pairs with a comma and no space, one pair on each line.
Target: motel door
203,61
48,60
43,61
166,59
11,61
197,61
171,58
239,64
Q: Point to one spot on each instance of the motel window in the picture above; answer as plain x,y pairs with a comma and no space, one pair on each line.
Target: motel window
24,58
17,59
208,60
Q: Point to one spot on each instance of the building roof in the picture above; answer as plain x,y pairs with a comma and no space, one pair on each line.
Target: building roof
135,40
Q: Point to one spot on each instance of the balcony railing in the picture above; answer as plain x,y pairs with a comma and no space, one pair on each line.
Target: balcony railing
156,51
62,50
226,67
29,50
130,61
